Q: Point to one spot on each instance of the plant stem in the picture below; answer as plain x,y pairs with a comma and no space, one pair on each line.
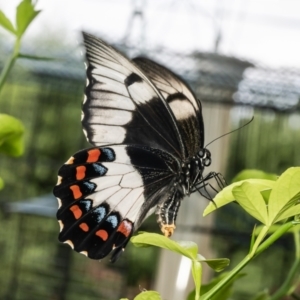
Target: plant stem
259,239
276,235
230,275
285,288
8,66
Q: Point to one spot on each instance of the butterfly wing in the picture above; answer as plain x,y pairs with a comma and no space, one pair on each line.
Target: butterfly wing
142,125
181,100
104,194
122,106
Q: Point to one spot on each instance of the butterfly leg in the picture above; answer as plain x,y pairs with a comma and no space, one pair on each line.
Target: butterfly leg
167,213
206,187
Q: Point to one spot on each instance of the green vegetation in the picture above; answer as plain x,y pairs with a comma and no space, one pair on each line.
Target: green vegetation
275,204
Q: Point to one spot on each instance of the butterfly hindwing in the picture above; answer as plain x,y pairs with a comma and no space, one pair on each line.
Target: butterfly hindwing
106,192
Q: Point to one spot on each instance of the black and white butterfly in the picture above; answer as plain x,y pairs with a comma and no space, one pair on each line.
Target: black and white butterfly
147,129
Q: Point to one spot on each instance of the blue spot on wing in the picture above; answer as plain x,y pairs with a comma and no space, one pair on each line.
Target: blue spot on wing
109,154
100,213
87,204
100,170
113,220
89,185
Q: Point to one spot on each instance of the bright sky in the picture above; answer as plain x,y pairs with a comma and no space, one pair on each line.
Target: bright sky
266,31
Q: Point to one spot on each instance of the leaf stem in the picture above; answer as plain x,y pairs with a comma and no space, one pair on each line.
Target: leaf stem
274,237
259,239
8,66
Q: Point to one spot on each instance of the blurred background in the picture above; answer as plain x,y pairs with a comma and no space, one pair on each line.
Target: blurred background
240,57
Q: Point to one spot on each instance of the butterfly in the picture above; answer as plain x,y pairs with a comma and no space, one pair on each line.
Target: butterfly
147,132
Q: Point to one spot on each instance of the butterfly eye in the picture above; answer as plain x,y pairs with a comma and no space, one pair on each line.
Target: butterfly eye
201,153
207,162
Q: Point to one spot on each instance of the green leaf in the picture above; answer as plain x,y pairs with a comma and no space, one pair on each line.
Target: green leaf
225,196
266,195
252,201
6,23
217,264
290,212
285,193
197,276
148,295
144,239
1,184
252,173
25,15
11,135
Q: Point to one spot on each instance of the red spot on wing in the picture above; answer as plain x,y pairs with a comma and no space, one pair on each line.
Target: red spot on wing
93,155
76,191
102,234
125,228
80,172
77,212
84,227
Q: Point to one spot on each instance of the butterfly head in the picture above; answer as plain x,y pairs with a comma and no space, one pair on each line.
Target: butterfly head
192,171
204,157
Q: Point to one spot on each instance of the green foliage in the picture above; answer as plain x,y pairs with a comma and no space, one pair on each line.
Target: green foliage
6,23
187,249
11,129
270,201
146,295
25,15
252,173
11,136
281,204
226,196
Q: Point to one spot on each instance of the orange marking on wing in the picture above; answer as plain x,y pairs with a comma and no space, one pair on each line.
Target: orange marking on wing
125,228
102,234
80,172
76,191
94,155
84,227
77,212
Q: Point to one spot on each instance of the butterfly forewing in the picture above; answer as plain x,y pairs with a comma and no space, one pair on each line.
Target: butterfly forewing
122,106
181,100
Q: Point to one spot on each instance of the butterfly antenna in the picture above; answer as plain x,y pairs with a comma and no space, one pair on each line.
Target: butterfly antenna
230,132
